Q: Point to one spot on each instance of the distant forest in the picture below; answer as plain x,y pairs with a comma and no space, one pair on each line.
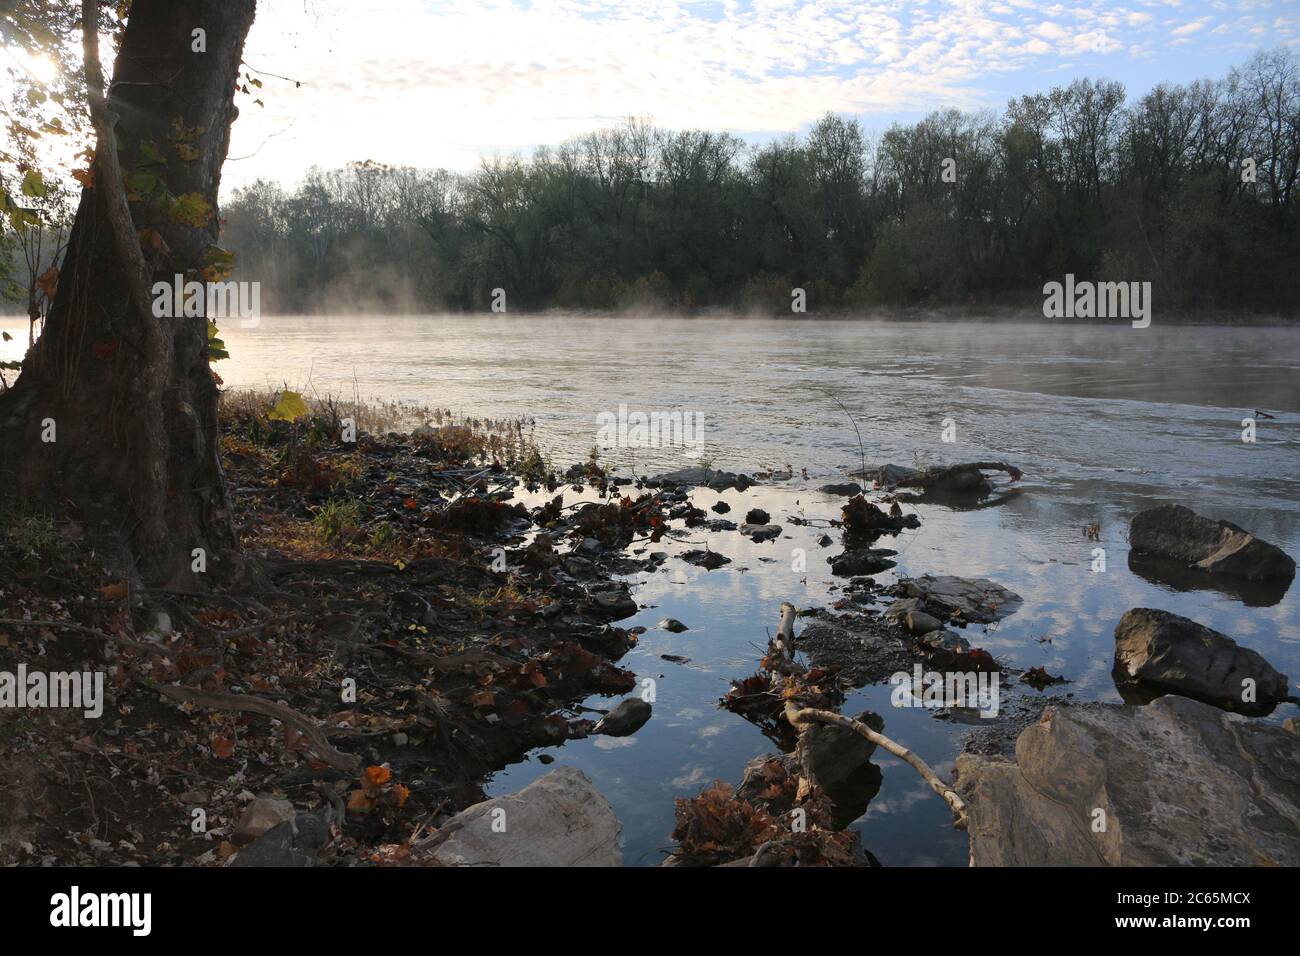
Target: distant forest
1078,179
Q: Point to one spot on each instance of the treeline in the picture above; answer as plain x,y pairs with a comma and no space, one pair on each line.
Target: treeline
1192,188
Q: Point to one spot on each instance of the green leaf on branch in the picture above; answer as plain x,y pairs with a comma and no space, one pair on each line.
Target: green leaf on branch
216,347
191,209
34,185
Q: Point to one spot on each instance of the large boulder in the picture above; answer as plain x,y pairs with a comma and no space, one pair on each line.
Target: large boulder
1216,547
560,819
1175,783
1163,653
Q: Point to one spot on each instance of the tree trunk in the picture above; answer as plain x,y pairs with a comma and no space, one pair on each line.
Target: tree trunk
128,398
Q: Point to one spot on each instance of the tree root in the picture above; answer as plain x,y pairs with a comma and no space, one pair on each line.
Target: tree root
256,705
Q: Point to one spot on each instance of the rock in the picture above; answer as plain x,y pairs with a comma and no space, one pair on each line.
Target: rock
559,819
846,489
615,604
259,817
761,532
721,524
694,477
918,623
705,558
757,778
672,624
861,561
294,842
1180,784
865,650
757,516
625,719
886,475
974,600
1163,653
720,507
825,541
1216,547
944,642
829,755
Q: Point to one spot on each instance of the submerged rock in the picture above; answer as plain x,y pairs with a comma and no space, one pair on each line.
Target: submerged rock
560,819
616,605
694,477
845,489
1174,783
625,719
761,532
703,558
1164,653
862,561
1216,547
975,600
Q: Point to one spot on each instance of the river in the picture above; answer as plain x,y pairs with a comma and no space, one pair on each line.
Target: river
1103,419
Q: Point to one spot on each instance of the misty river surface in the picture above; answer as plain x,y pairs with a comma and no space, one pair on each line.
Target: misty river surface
1103,419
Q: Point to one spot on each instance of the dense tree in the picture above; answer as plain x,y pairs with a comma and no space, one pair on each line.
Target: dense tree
955,208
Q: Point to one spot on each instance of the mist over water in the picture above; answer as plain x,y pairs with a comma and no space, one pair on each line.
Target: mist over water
1104,420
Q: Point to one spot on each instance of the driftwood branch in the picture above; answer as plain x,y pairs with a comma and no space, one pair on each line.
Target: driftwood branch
256,705
800,718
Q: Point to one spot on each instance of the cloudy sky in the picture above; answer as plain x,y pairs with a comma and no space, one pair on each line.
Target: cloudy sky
444,82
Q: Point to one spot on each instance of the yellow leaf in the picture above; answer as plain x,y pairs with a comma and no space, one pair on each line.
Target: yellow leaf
290,408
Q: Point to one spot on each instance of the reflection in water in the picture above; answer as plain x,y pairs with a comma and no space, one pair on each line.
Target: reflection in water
1179,577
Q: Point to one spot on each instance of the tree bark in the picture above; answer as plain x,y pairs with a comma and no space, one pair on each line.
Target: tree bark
130,396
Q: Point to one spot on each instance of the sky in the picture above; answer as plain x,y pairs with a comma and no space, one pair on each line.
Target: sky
442,84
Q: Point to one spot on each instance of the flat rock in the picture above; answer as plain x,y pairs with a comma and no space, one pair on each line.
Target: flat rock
865,649
1181,783
1164,653
1216,547
560,819
975,600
